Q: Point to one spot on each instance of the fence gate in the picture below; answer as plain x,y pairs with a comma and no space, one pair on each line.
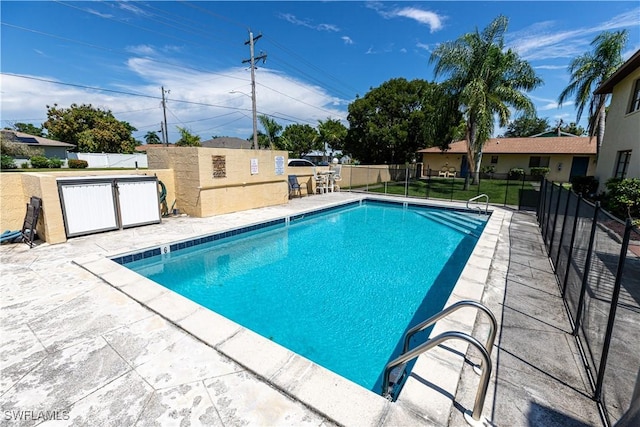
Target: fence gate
96,204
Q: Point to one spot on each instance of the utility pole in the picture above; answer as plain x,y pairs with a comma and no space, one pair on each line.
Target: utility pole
165,133
252,60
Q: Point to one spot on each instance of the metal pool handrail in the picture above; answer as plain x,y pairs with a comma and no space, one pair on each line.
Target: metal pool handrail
481,394
485,351
486,205
445,312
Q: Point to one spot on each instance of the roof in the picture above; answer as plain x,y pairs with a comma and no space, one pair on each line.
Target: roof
228,142
31,140
550,145
625,69
145,147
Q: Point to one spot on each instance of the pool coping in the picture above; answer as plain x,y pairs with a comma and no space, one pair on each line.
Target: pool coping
431,385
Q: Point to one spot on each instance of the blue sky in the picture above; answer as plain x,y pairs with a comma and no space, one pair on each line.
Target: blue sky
320,55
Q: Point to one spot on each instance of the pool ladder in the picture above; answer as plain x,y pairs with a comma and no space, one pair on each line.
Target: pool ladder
473,418
486,203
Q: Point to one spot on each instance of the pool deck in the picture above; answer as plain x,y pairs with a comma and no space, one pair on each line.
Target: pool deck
85,337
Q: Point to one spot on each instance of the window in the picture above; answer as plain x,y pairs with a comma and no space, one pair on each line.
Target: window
624,157
539,161
634,105
494,160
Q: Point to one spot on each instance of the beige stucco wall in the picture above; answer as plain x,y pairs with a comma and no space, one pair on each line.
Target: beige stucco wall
622,132
559,164
17,187
199,194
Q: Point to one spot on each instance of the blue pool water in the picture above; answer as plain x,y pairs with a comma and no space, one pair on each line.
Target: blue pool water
339,288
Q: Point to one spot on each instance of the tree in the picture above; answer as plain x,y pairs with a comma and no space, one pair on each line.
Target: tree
488,81
272,129
332,134
28,128
393,121
588,72
572,128
525,126
187,139
152,137
299,140
92,130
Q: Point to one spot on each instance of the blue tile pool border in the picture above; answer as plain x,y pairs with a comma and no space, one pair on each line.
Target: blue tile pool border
178,246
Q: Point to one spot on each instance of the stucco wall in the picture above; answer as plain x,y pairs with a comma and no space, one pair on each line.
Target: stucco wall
200,194
622,132
17,187
559,164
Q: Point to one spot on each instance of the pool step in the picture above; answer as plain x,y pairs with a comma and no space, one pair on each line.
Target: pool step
466,227
469,217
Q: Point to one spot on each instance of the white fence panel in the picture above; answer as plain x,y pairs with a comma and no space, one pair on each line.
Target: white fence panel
139,202
88,208
112,160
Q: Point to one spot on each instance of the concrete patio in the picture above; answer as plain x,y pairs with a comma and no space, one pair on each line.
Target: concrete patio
89,354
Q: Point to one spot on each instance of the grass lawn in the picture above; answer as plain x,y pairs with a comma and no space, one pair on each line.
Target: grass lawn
452,189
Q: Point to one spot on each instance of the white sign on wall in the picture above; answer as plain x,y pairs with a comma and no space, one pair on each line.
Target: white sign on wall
254,166
279,165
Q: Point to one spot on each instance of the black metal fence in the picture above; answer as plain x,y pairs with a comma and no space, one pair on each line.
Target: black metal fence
596,258
411,180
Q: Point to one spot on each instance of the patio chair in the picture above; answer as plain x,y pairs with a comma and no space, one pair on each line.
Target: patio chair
444,172
320,181
294,186
452,172
337,177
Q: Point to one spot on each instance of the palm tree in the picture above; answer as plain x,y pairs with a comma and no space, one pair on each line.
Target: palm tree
152,138
488,80
272,129
588,72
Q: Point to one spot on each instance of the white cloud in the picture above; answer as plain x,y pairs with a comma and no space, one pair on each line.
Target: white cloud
425,17
433,20
142,49
306,23
551,67
210,110
347,40
423,46
100,14
543,41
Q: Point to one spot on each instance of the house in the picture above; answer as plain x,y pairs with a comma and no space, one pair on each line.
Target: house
50,148
564,156
620,151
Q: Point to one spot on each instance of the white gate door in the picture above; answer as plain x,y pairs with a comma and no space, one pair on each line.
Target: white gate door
138,202
89,208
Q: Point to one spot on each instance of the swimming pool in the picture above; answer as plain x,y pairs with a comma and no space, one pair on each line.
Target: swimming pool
339,287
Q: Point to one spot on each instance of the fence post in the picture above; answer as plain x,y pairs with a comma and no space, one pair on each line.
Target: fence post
555,219
612,310
406,179
587,264
545,229
573,240
428,182
543,192
506,191
564,223
367,188
452,182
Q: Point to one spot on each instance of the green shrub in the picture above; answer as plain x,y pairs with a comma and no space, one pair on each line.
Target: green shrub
539,173
7,162
77,164
516,173
55,163
586,185
25,165
622,198
488,169
39,162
